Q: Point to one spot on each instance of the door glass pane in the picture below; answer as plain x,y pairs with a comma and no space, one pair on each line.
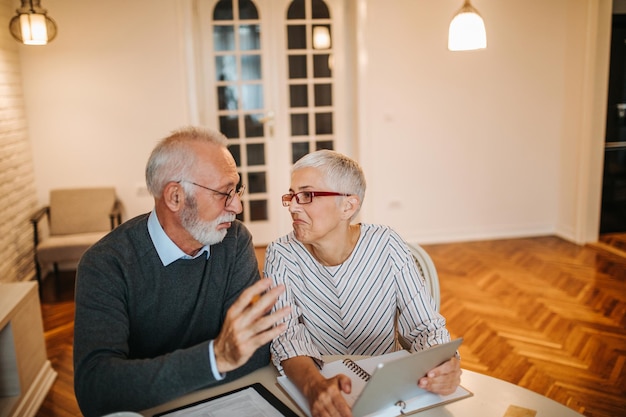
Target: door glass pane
235,151
224,38
298,96
257,182
249,37
323,95
227,98
252,97
256,154
323,123
296,37
298,150
324,144
319,9
223,10
258,210
296,10
299,124
254,127
321,66
225,68
247,10
297,66
229,126
251,67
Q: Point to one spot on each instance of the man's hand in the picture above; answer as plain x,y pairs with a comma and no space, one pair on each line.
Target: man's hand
444,379
248,326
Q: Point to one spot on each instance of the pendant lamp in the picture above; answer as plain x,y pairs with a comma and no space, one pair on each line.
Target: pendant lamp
467,30
31,25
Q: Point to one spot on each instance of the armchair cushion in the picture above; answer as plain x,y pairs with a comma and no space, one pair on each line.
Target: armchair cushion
81,210
66,248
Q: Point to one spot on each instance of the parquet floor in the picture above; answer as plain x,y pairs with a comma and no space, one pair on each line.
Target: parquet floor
541,313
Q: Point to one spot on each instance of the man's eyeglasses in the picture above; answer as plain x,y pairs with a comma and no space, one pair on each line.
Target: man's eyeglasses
306,197
229,195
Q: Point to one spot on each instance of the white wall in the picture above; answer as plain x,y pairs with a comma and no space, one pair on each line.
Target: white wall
480,144
456,146
100,95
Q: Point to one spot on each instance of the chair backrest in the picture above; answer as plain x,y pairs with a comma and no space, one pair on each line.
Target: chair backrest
81,210
427,268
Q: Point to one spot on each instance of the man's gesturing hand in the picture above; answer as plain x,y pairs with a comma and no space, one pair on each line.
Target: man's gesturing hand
248,326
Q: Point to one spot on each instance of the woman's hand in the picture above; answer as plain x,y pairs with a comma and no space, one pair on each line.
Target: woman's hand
324,395
444,379
325,398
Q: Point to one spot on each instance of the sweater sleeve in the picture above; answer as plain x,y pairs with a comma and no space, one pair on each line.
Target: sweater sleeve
111,372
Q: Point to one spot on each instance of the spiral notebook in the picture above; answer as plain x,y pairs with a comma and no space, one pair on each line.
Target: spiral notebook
386,385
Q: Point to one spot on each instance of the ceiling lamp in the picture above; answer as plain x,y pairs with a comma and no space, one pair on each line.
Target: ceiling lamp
31,25
467,30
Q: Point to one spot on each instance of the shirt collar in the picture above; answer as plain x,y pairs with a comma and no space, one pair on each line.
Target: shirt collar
166,249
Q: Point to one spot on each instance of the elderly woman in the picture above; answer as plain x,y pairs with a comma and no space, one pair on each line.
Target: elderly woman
346,283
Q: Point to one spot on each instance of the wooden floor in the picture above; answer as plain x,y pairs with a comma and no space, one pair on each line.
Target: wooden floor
541,313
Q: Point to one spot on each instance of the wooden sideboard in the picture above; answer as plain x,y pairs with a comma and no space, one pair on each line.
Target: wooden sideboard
25,371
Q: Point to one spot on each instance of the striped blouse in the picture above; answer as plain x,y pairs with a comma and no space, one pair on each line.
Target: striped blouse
351,308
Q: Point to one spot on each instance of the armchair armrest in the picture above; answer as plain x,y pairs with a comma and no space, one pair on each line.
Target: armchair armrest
35,219
116,215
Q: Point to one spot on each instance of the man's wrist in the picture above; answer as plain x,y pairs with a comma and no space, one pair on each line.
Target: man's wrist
213,362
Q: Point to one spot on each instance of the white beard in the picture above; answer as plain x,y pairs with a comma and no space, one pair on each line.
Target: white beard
203,231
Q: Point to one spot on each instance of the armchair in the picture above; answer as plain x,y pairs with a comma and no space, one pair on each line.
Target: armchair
76,219
427,270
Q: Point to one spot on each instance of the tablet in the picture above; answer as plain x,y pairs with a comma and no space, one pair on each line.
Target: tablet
253,399
396,381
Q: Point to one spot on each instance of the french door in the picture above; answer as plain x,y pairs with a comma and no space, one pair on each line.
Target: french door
267,73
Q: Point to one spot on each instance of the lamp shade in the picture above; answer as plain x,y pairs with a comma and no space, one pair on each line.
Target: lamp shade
31,25
467,30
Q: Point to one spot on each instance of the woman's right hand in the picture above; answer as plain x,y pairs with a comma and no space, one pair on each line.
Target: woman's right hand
325,396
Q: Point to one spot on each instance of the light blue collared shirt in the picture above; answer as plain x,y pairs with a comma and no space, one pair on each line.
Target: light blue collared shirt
169,252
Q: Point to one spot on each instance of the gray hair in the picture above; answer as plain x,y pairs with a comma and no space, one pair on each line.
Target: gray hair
340,172
174,160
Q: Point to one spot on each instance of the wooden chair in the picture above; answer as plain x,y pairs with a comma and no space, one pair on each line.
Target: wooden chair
76,219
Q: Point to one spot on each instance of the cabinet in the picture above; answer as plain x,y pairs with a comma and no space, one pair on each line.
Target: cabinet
26,374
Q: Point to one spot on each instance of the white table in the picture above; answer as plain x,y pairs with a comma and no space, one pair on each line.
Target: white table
491,397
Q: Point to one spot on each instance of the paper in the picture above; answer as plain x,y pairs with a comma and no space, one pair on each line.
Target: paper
247,402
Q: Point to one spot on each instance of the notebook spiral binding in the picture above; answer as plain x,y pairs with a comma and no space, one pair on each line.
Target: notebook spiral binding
354,367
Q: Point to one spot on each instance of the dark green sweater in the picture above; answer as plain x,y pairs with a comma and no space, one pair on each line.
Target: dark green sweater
142,330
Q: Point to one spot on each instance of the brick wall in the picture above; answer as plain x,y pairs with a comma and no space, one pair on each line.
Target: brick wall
18,198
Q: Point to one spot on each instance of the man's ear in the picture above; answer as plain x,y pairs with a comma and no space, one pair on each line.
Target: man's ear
173,196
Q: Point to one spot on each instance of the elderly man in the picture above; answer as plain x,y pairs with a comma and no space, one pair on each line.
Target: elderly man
171,301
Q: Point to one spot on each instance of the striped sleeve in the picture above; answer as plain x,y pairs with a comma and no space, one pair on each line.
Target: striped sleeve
296,340
418,321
